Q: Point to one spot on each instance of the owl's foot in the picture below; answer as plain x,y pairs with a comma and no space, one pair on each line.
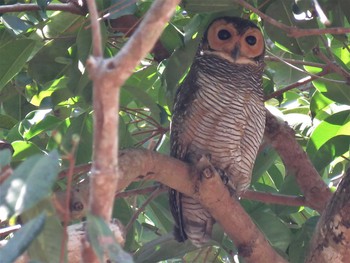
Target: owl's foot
225,179
201,161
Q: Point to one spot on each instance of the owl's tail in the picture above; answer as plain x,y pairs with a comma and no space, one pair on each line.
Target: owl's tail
192,220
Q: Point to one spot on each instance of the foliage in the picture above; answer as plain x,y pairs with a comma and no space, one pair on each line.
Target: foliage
46,98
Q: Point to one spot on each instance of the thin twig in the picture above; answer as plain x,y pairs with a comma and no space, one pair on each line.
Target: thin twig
293,31
71,158
68,7
253,195
141,191
270,198
306,72
153,195
295,61
96,31
332,64
296,84
80,169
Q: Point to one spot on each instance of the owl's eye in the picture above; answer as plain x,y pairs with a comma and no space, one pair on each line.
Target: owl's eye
224,34
251,40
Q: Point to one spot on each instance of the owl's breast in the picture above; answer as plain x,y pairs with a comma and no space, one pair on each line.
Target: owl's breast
226,121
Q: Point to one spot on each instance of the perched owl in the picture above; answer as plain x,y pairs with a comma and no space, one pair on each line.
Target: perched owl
219,111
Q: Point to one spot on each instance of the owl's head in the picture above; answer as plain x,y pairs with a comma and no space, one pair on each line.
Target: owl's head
235,39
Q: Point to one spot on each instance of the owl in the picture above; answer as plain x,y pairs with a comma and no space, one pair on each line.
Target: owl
219,111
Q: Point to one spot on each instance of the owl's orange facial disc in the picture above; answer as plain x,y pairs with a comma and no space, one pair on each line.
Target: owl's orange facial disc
226,41
251,43
222,38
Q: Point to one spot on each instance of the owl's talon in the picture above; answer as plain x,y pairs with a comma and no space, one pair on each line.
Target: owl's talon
207,173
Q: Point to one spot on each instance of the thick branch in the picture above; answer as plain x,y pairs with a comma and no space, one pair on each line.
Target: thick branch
282,138
121,66
332,237
108,76
211,192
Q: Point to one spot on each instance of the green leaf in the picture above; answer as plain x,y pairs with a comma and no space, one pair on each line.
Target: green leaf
162,248
282,12
201,6
123,212
5,157
63,23
81,126
7,122
24,149
48,55
299,247
345,6
274,229
16,24
102,240
22,239
120,8
14,55
48,123
334,125
48,244
30,182
283,74
318,104
158,212
327,153
171,37
338,92
84,41
263,162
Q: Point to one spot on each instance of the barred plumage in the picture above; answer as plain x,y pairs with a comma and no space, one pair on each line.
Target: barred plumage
219,111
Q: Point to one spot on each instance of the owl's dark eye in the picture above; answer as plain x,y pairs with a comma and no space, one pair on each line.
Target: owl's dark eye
251,40
224,34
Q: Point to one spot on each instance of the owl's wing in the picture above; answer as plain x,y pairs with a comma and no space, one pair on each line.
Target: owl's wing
179,145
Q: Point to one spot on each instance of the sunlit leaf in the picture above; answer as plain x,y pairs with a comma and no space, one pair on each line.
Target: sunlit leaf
29,183
333,90
334,125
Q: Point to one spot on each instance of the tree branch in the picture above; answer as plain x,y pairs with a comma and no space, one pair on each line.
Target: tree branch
274,198
211,192
293,31
108,76
332,64
332,236
153,195
299,83
282,138
70,7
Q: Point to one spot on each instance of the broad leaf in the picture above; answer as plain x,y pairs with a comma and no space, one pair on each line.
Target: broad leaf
30,182
14,55
22,239
103,241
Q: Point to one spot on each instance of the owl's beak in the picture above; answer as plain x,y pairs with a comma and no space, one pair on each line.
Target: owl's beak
235,52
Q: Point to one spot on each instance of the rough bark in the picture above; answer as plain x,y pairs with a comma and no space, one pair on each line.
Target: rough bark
331,242
282,138
209,190
108,75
